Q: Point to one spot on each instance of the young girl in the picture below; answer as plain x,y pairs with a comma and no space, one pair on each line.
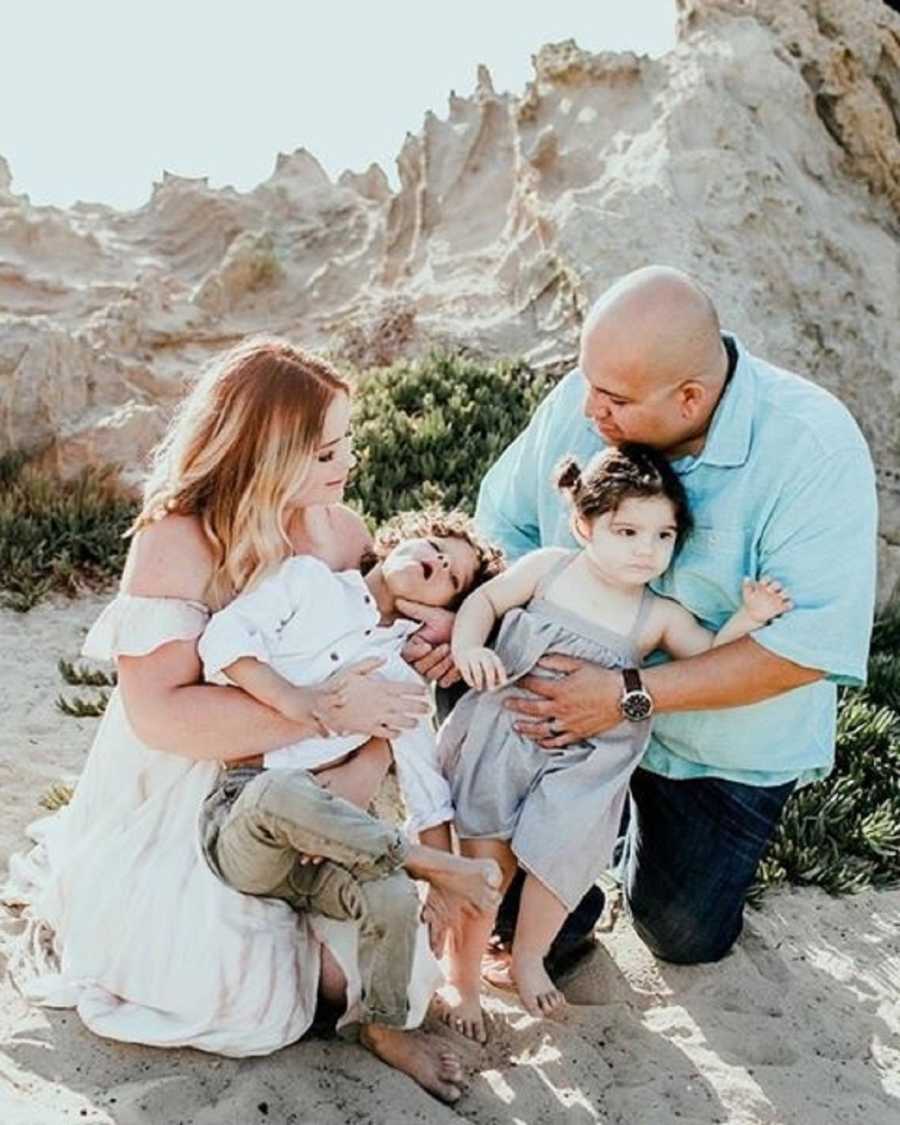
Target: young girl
557,814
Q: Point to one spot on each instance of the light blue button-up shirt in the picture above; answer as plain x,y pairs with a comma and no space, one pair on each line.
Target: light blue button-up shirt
784,486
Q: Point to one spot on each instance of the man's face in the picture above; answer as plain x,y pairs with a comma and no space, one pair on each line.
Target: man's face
432,571
624,404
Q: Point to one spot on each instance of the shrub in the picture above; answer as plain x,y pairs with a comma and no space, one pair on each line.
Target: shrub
426,430
843,833
57,535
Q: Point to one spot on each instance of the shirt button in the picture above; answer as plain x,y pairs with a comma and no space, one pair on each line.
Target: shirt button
368,632
366,598
334,656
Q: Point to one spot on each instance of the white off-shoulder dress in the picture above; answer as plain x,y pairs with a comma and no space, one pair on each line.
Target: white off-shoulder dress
143,939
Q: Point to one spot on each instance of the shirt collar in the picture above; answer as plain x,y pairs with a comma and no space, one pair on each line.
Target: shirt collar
728,439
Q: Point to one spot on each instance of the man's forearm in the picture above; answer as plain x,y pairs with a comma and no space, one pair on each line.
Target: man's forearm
734,675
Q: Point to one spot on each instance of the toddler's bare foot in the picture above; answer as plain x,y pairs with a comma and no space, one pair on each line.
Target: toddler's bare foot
460,1008
421,1056
476,882
537,991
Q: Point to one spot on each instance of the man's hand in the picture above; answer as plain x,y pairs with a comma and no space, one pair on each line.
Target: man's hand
583,702
428,651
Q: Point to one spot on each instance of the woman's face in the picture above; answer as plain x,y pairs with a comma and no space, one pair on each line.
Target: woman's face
430,571
331,461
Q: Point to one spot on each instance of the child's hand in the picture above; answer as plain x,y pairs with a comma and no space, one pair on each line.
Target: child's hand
765,599
481,668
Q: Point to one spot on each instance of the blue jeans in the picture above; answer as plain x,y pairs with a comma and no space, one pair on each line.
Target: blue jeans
691,853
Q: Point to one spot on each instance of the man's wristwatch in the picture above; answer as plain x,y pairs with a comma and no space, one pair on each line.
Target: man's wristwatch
635,702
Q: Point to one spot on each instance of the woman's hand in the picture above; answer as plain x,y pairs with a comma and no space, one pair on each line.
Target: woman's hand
481,668
356,702
582,703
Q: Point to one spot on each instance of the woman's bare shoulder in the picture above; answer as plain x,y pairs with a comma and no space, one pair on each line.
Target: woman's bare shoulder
170,558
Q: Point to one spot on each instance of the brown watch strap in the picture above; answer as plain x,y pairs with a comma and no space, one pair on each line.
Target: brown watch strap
632,678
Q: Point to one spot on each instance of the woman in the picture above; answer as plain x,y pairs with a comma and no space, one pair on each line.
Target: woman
152,948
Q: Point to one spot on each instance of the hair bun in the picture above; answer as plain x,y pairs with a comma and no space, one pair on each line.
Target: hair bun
568,475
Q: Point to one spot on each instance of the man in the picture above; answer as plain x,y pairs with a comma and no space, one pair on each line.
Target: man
780,483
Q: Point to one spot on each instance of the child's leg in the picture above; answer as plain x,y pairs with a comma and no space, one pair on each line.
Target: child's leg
461,1006
541,915
254,830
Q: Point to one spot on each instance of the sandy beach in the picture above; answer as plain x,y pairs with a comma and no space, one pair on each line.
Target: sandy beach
801,1023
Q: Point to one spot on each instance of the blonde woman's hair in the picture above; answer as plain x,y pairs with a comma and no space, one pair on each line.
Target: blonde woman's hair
238,448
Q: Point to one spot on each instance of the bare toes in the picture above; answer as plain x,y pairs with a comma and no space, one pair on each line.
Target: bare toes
551,1001
450,1069
448,1091
532,1006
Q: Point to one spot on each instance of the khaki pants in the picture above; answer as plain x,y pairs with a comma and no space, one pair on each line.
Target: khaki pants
254,824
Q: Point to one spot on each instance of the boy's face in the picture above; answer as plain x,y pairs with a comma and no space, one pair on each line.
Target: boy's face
431,571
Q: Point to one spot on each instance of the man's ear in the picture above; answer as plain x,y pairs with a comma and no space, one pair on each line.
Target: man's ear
580,529
693,396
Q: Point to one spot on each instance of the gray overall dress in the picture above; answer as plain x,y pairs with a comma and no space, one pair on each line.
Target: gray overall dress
560,810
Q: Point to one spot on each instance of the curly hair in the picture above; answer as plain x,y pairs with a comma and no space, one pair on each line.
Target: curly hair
437,524
619,473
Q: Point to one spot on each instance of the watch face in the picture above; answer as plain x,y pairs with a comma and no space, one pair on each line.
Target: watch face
636,705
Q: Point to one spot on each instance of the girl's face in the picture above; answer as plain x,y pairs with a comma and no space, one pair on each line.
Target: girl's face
633,544
331,461
430,571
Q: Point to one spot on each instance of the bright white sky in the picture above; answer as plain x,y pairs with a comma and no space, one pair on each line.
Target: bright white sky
98,97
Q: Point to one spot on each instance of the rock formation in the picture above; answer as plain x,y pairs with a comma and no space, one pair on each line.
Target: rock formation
762,155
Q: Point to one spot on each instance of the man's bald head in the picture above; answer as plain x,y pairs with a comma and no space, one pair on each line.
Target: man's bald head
658,325
652,354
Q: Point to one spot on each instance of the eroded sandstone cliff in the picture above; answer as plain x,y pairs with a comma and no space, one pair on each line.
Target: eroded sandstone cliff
762,154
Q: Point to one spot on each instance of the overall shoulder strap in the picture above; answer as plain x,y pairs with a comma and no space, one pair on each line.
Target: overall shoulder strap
558,567
643,610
